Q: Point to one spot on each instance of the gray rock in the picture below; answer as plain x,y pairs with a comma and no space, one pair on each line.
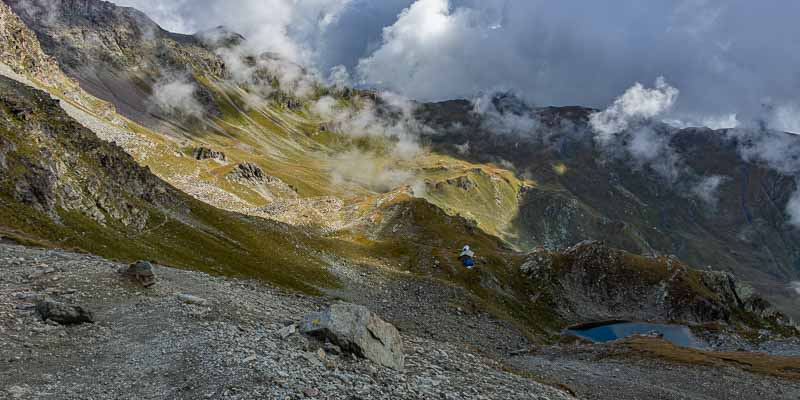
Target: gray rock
25,307
287,331
190,299
250,359
63,313
249,172
358,331
142,272
332,348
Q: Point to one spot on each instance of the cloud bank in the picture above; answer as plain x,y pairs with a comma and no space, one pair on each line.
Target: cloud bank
727,57
632,128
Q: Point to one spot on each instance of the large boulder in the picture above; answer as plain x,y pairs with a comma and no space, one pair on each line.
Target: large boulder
142,272
358,331
61,313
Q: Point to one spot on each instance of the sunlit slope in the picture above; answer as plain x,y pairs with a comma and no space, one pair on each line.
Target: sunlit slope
62,186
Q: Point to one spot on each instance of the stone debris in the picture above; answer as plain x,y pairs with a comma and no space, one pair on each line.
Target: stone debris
148,346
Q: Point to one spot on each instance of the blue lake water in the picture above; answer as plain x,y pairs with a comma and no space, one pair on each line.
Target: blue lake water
678,335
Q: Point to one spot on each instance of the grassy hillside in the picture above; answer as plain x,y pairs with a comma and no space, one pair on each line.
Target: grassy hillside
62,186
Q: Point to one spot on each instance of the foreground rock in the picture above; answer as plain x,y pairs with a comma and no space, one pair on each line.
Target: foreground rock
142,272
63,314
357,330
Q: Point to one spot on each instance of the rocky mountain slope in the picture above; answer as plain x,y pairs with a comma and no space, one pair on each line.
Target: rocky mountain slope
562,188
250,178
61,185
586,192
21,52
119,64
231,164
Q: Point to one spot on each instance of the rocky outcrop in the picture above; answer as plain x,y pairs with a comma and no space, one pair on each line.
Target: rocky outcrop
63,314
54,165
21,51
117,53
743,296
462,182
5,147
205,153
592,282
192,299
270,187
248,172
357,330
125,37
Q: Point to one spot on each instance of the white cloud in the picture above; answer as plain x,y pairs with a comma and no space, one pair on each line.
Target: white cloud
629,129
177,96
778,151
793,208
707,189
379,170
326,107
370,170
636,105
340,77
647,147
424,53
513,119
786,118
